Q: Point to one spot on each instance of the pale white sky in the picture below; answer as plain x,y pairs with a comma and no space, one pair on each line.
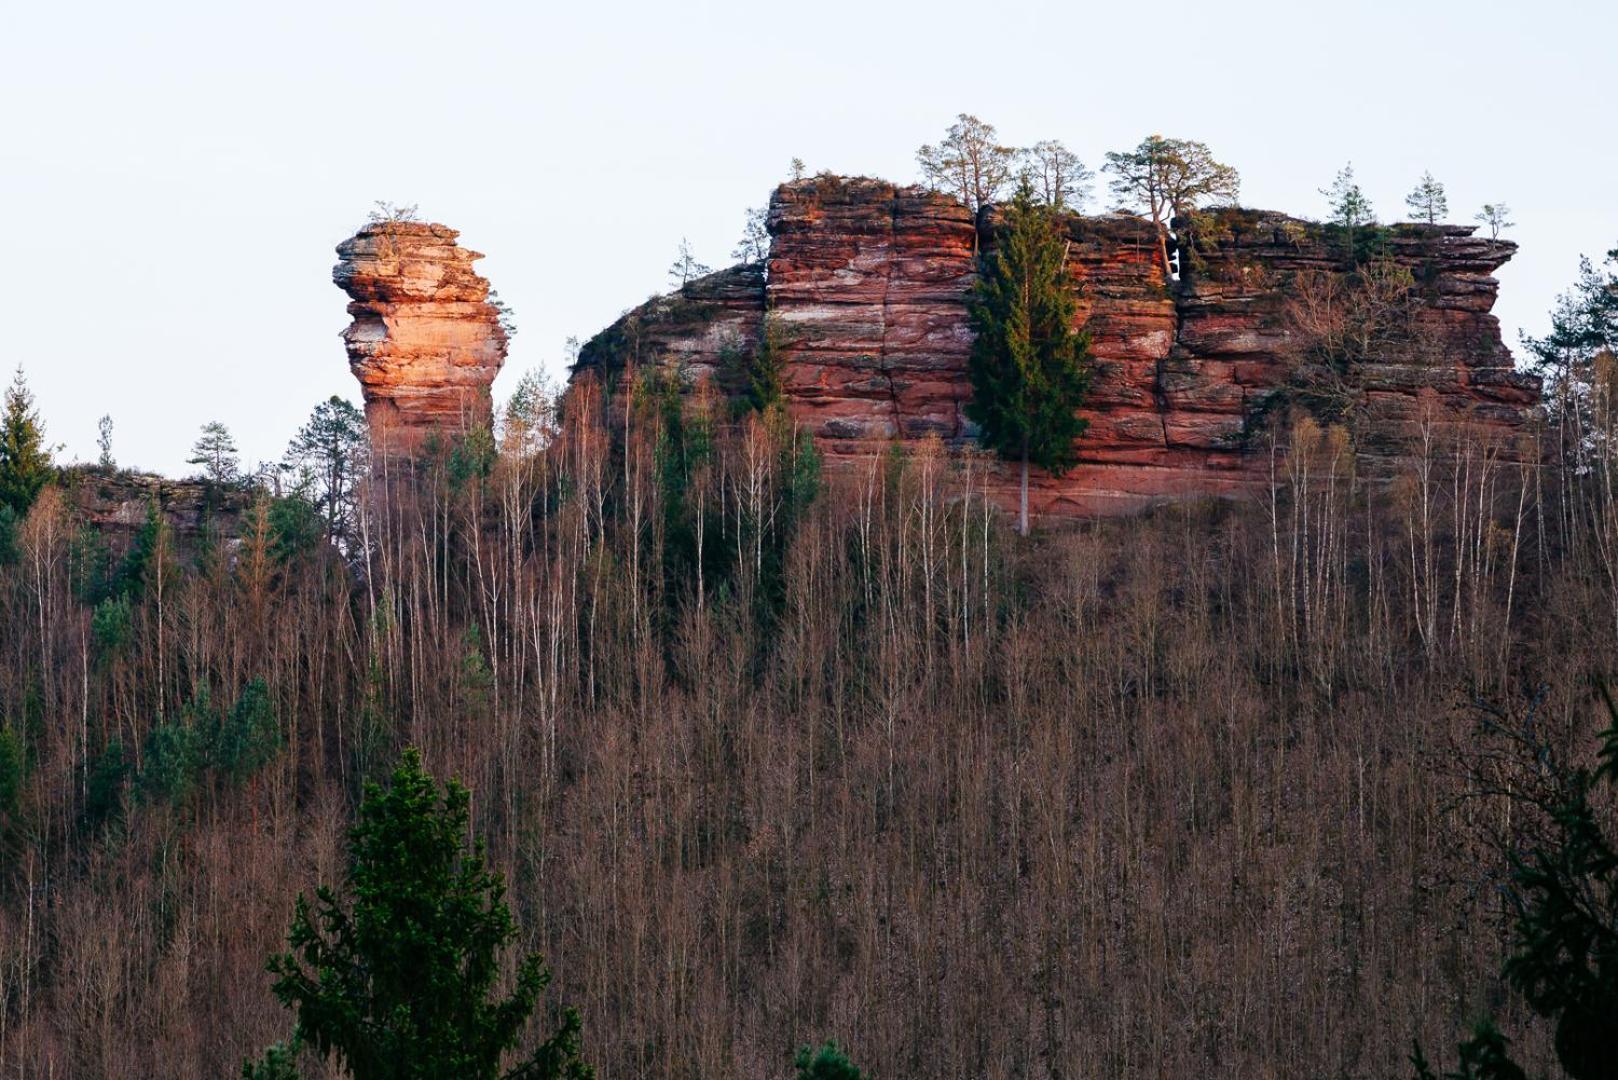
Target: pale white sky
175,175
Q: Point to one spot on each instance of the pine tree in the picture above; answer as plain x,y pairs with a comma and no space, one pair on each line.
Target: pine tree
215,451
1168,179
393,978
1350,209
1028,365
25,460
1428,202
332,446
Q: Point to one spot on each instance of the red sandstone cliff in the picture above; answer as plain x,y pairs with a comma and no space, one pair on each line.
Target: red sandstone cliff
866,287
425,342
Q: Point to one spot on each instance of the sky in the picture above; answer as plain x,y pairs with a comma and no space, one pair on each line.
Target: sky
175,176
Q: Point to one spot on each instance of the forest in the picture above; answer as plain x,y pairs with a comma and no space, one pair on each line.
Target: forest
770,754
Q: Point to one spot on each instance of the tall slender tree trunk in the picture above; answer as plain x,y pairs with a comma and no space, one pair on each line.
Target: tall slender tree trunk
1022,508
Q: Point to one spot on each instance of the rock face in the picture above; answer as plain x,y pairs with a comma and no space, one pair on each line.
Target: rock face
117,504
425,342
865,292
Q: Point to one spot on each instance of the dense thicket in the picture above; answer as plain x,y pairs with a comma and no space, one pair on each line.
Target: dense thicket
770,758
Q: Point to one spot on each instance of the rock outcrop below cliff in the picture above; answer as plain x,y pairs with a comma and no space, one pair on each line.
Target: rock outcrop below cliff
425,342
865,293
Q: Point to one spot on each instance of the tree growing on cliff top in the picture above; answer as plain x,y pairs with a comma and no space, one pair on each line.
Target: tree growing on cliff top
215,451
25,460
754,246
1170,178
1496,216
393,980
1350,209
1028,365
685,268
970,163
1057,175
1427,202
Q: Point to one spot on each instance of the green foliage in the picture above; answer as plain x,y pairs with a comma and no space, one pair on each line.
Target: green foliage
758,374
472,457
171,763
111,625
1028,366
1482,1057
280,1062
1427,202
393,978
215,451
827,1063
295,527
249,736
8,535
1564,958
25,460
13,768
333,448
104,788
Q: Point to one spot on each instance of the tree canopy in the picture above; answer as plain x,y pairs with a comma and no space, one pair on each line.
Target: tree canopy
1170,178
25,460
1028,363
393,978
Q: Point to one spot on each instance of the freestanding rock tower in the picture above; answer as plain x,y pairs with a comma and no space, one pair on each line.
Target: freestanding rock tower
425,342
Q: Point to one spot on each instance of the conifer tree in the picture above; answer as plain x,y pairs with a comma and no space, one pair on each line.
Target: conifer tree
1028,364
1170,178
1427,202
25,460
393,978
215,451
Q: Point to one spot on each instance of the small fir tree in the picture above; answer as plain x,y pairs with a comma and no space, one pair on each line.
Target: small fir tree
1427,202
25,460
1350,209
1029,366
393,977
104,444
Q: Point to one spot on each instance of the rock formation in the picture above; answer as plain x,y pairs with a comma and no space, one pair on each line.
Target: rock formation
425,343
117,504
866,289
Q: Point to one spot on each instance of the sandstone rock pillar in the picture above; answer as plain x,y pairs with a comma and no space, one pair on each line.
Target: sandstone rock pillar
425,342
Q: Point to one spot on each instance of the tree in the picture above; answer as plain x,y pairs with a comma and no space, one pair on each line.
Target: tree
1495,216
104,443
1058,177
827,1063
386,213
393,978
25,460
1564,958
1028,365
1427,202
969,164
529,421
754,246
685,267
215,451
1350,209
333,447
1168,179
797,169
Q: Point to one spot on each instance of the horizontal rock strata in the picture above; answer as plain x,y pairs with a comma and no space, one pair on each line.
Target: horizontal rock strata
425,342
866,286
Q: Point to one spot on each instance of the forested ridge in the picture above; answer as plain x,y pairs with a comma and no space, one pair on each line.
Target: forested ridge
771,754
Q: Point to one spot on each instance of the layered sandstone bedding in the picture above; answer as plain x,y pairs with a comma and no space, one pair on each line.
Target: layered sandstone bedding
425,342
866,288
